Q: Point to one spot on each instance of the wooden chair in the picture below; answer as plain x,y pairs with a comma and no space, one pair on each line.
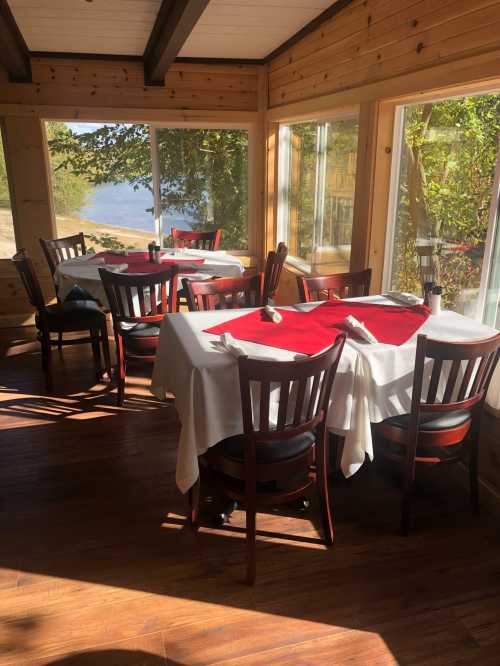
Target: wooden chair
272,272
339,285
200,240
274,464
138,303
224,293
57,250
61,249
444,423
67,317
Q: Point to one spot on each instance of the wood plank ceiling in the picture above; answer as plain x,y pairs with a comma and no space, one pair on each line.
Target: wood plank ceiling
236,29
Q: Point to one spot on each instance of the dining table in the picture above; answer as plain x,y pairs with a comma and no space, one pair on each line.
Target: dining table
83,271
373,381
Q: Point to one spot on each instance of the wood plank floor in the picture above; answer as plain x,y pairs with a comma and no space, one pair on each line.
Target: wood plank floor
98,567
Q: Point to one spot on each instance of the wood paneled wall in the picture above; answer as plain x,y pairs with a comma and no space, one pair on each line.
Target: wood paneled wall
120,84
374,40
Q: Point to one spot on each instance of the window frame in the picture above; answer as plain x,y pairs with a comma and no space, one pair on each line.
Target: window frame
395,170
283,178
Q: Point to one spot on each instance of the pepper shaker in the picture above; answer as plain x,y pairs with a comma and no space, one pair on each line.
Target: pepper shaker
428,287
151,252
435,300
157,255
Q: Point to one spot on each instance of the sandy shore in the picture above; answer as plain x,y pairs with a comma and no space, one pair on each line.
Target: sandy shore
70,225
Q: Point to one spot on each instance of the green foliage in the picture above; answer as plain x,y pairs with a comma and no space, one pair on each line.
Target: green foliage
69,189
107,241
203,171
447,170
4,185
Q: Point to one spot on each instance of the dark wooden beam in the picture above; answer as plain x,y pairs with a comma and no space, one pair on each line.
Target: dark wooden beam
174,23
14,54
329,12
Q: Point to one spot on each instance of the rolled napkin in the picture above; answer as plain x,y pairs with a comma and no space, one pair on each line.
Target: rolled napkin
124,252
273,314
403,297
360,329
229,343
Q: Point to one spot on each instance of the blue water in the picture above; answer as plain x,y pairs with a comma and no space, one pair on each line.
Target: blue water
122,206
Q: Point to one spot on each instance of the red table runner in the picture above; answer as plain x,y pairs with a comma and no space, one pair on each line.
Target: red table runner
294,333
138,262
311,332
390,324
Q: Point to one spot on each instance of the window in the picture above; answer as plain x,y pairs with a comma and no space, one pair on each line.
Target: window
7,239
317,174
203,178
101,183
443,215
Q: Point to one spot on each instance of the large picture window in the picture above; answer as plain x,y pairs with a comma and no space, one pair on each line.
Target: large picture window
123,184
444,202
317,174
203,177
7,239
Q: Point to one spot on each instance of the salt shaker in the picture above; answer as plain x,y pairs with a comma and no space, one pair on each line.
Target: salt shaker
157,256
435,300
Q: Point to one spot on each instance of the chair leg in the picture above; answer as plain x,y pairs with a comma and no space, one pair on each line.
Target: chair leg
194,504
59,341
96,352
407,495
250,541
46,360
121,370
105,349
473,475
322,485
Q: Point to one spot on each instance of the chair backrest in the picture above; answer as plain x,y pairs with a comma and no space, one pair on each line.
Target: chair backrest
199,240
60,249
304,393
460,374
339,285
272,273
24,266
140,298
224,293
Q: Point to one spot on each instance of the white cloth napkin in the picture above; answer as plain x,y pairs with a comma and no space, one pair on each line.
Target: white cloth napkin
357,327
229,343
403,297
273,314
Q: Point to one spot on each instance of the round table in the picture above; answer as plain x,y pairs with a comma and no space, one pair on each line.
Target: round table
84,271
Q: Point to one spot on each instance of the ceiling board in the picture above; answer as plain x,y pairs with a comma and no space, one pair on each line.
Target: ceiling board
227,29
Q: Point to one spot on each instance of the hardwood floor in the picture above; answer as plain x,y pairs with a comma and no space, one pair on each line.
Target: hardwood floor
98,567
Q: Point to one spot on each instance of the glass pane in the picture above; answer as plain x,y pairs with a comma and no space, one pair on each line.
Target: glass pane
7,240
301,190
102,183
445,183
333,251
492,301
204,182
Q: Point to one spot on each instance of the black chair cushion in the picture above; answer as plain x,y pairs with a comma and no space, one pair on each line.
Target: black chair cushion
78,293
73,316
432,422
142,330
267,452
141,339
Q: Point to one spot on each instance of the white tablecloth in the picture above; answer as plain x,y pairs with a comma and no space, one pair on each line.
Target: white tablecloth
82,272
373,382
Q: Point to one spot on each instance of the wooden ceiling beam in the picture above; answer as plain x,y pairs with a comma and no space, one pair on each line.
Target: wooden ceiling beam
174,23
14,54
